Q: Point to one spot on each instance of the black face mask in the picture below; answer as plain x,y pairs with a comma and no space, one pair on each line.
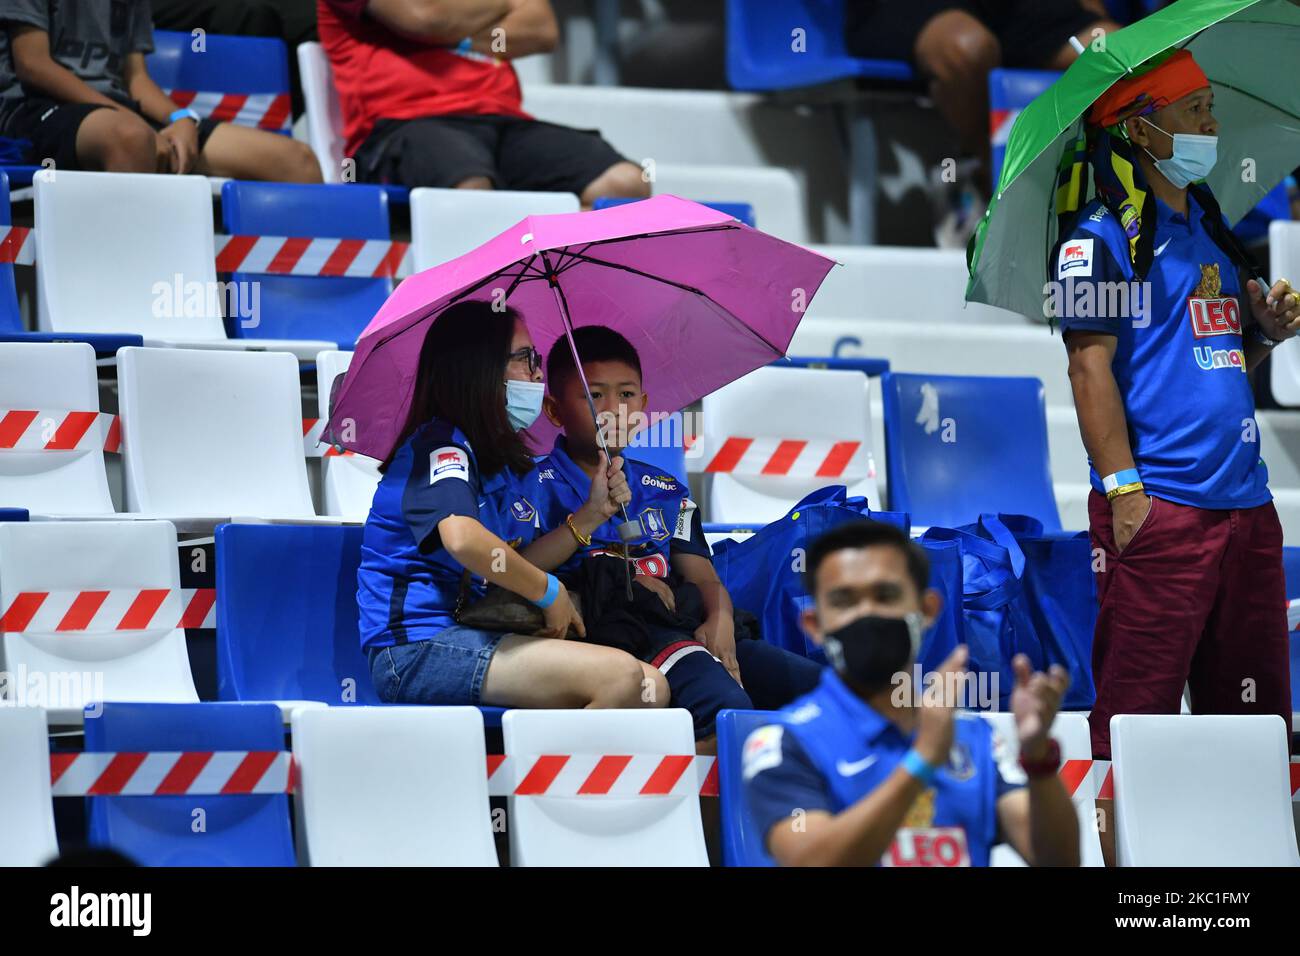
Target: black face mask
869,651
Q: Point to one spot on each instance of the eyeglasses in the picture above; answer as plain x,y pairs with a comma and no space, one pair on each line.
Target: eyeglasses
529,355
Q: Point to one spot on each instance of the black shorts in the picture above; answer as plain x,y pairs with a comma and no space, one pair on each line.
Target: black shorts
1031,32
51,127
513,153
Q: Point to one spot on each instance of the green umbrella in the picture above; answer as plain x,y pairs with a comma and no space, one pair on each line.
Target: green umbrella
1249,49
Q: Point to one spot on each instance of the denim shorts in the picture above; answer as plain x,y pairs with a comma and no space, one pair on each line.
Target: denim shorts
447,668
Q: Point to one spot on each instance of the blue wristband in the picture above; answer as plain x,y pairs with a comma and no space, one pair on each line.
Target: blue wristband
552,592
1128,476
183,113
918,767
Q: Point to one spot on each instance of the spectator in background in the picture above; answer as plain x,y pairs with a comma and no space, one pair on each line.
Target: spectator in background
861,771
430,99
73,82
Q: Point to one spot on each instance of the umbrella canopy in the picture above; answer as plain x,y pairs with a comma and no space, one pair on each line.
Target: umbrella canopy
1247,48
703,298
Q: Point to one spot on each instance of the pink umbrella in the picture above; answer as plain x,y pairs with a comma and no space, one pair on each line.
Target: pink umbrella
703,298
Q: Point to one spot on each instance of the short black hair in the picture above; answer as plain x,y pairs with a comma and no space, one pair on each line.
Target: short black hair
596,343
866,533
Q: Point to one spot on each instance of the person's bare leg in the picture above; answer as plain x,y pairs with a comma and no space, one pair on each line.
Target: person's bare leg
475,182
621,181
115,141
242,152
957,51
545,672
1066,55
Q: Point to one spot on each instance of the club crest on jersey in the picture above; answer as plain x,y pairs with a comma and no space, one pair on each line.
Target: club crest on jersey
1211,312
960,765
652,524
523,510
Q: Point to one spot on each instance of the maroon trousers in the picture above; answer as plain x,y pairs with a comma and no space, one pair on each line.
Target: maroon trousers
1198,597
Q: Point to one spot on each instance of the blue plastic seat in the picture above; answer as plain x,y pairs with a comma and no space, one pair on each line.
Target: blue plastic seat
959,446
1010,91
742,843
869,367
742,211
761,52
250,830
661,446
309,307
13,514
230,65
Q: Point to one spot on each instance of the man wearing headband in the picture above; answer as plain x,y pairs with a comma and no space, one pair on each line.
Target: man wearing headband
860,771
1160,339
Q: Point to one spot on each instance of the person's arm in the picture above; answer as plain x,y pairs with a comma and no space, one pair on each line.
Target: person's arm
442,22
609,491
40,73
1278,317
528,28
718,630
181,137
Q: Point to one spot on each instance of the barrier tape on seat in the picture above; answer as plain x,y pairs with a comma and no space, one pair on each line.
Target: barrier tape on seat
108,610
792,458
222,772
602,775
311,440
262,110
58,430
267,255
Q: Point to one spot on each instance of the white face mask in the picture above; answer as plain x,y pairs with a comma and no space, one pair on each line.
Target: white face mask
523,402
1193,157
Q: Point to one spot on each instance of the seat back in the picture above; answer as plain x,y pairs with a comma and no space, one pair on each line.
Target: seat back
392,786
743,844
741,211
96,608
51,378
1203,791
211,830
150,273
307,307
26,811
806,428
603,831
446,223
239,79
11,319
324,114
1010,91
212,433
776,195
959,446
348,482
287,614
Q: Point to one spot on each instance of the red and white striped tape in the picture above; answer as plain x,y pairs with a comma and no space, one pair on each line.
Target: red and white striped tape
58,430
267,255
602,775
1293,615
262,110
793,458
221,772
112,609
312,429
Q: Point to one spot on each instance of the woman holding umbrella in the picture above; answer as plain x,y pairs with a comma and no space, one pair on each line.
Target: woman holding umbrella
450,510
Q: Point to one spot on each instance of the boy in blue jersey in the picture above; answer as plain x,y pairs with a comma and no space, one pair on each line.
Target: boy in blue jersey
856,773
707,668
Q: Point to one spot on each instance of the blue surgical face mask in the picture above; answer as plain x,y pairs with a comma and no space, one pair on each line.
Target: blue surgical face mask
1193,158
523,403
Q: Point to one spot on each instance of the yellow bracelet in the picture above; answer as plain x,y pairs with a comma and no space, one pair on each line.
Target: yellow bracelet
583,539
1124,490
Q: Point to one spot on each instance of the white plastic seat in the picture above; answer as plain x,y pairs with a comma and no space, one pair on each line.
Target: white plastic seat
52,377
348,482
446,223
603,831
1284,260
134,253
324,114
1202,791
26,811
781,404
776,195
392,786
212,433
91,659
1070,731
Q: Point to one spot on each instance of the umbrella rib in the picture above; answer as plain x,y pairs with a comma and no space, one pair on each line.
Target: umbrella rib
645,275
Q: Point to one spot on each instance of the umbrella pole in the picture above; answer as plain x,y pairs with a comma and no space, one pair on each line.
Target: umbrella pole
563,307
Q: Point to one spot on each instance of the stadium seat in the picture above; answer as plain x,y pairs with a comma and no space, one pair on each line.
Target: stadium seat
151,273
960,446
287,614
742,843
235,830
661,446
1070,730
58,621
1284,260
777,197
392,786
240,79
209,433
1202,791
603,831
778,408
51,378
1010,91
741,211
26,811
348,482
324,115
319,307
446,223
